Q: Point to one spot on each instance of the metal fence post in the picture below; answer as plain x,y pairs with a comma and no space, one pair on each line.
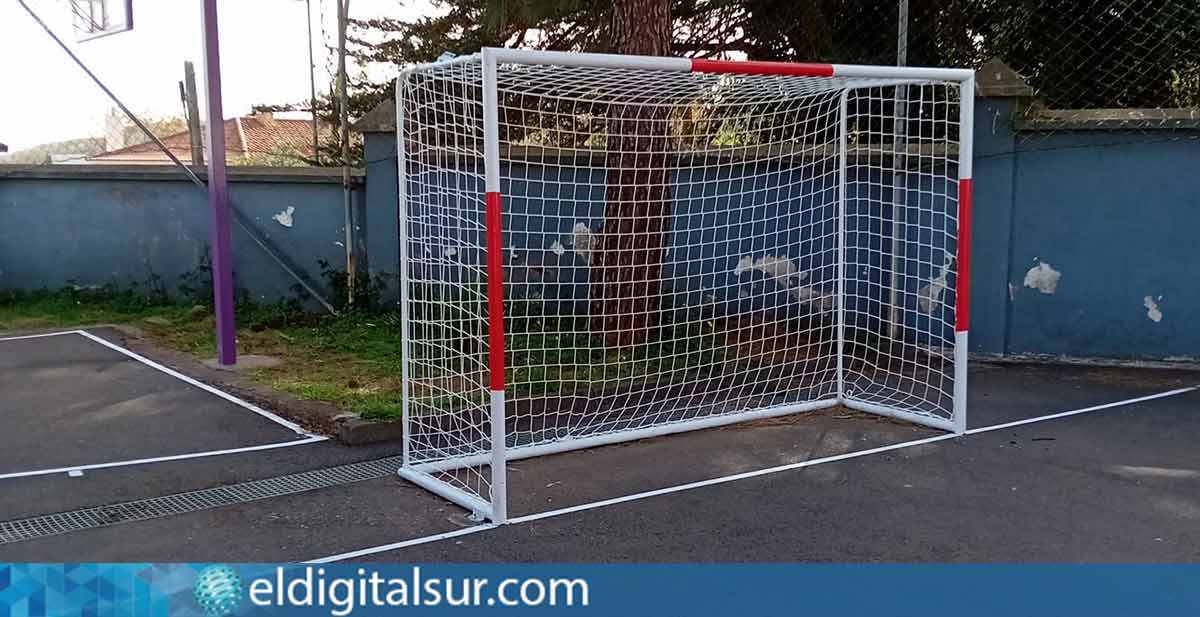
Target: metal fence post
218,193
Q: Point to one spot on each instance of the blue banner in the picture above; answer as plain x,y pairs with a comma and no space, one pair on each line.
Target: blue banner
217,590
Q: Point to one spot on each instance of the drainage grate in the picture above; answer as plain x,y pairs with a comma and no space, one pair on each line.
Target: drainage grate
194,501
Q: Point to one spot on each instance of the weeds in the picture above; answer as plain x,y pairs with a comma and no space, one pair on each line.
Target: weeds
353,360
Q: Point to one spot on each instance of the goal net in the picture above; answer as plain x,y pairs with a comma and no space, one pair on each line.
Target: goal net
601,248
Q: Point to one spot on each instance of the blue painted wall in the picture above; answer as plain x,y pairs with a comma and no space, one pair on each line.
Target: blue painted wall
89,225
1114,213
1119,216
725,219
380,198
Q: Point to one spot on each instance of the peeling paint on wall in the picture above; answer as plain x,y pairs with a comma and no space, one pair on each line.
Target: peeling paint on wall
785,272
286,217
583,240
778,267
1043,277
815,297
930,296
1152,310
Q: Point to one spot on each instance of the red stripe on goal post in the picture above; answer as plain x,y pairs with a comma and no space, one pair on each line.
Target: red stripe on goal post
495,270
750,67
962,292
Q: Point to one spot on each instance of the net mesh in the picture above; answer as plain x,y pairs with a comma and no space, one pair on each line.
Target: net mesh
445,294
675,247
901,247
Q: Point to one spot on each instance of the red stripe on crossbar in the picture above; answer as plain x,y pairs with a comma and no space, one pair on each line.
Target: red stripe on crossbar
962,308
495,268
803,69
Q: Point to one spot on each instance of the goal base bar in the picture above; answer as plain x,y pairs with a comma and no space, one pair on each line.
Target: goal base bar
470,502
944,424
569,444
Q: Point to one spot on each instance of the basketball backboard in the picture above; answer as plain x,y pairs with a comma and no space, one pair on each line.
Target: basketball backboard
97,18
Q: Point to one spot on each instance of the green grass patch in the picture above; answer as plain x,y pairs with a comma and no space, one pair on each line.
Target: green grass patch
353,360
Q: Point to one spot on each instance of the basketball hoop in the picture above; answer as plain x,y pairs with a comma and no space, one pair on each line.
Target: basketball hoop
97,18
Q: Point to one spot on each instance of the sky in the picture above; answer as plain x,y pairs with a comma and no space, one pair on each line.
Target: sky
44,97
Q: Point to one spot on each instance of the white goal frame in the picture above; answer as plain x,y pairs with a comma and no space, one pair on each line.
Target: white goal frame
490,499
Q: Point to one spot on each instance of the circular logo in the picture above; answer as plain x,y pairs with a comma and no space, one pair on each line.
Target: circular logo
218,591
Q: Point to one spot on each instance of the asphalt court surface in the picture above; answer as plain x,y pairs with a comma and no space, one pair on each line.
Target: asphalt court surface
1118,484
70,401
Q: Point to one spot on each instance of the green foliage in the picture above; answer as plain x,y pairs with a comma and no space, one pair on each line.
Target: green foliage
352,360
547,352
1084,54
78,305
575,362
1185,86
368,291
1076,53
196,285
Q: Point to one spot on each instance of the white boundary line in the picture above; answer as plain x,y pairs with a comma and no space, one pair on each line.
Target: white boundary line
163,459
741,476
306,437
203,386
732,478
466,531
42,335
1065,414
295,428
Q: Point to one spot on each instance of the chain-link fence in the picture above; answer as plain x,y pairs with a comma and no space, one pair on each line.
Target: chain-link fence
1115,64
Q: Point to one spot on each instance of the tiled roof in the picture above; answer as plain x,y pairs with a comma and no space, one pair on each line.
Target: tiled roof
258,134
269,135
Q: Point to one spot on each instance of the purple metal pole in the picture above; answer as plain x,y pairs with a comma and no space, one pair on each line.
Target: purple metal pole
218,193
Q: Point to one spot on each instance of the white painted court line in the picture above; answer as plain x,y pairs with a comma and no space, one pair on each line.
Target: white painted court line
1055,416
203,386
25,337
741,476
306,437
727,479
466,531
162,459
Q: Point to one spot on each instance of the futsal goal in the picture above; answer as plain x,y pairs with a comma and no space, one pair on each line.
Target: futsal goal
601,248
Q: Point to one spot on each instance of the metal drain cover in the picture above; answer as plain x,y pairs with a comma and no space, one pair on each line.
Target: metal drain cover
194,501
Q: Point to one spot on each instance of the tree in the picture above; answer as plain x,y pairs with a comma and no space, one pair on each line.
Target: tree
627,261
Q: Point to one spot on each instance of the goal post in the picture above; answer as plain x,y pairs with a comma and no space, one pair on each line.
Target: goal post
599,248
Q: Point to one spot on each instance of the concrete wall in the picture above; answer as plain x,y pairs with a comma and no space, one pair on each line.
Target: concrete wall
96,225
1084,237
1105,219
743,234
380,205
1086,242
